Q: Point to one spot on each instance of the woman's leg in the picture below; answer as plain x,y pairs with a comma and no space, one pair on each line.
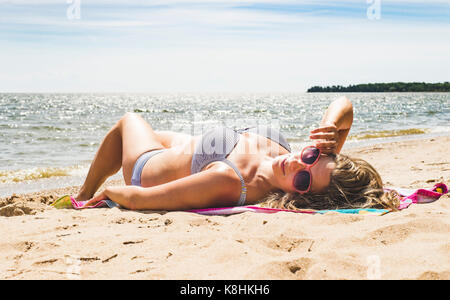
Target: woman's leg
171,139
121,147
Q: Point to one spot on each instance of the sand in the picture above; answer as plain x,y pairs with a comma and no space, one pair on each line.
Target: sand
39,242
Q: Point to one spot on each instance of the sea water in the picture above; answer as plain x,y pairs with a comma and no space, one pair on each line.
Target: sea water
49,140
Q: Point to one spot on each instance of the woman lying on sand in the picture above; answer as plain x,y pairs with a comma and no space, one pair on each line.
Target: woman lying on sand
166,170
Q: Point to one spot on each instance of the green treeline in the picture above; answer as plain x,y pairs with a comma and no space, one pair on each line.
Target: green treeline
384,87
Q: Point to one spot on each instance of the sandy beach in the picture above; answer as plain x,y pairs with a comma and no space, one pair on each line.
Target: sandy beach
40,242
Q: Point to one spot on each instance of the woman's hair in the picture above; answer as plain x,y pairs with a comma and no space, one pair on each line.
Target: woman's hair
354,183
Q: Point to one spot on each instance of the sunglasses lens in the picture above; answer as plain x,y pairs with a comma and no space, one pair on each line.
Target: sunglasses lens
302,180
310,155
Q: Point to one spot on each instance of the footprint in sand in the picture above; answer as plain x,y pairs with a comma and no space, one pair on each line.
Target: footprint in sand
397,233
289,269
289,244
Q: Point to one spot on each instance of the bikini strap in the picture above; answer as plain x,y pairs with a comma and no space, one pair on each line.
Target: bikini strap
270,133
243,197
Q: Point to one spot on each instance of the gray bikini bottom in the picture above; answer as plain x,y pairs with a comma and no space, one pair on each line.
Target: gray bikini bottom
137,172
139,165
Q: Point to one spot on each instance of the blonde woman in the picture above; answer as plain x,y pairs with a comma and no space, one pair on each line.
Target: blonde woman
166,170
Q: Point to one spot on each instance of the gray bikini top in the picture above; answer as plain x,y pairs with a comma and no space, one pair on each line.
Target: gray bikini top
216,144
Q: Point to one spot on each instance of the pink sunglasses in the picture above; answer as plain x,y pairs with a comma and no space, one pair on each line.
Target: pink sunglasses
303,180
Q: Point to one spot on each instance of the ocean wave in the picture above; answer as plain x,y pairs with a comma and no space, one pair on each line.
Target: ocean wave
387,133
10,176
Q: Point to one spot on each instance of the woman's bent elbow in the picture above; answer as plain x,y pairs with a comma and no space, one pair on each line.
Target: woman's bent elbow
345,101
125,196
133,198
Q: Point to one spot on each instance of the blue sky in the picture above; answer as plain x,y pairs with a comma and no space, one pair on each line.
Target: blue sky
219,46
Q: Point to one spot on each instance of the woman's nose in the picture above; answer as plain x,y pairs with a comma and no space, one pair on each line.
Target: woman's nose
297,165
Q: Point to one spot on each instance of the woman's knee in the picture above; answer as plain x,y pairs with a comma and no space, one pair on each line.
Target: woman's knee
129,116
128,119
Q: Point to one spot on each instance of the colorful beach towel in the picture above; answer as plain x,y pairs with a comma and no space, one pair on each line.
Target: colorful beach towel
408,197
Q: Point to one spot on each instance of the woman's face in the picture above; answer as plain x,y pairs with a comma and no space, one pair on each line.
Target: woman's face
285,167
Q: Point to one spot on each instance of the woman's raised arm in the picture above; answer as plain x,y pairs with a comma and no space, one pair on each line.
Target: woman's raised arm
335,126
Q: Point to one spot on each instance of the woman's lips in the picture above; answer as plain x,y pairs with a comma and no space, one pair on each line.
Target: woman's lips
282,166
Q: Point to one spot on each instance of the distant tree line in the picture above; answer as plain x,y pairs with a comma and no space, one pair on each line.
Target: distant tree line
384,87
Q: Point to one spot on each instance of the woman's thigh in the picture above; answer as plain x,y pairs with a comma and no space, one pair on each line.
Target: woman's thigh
171,139
138,137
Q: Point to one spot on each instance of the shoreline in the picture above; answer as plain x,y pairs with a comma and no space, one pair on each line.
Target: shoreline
40,242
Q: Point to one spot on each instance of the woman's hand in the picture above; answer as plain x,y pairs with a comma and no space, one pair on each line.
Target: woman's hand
95,200
122,195
326,138
335,126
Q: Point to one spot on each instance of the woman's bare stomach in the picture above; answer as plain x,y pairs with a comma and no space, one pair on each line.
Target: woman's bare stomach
171,164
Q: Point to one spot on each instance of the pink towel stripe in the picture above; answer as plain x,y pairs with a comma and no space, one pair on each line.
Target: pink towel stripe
418,196
424,196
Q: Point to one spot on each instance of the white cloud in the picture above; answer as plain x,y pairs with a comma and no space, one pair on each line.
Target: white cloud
340,56
213,47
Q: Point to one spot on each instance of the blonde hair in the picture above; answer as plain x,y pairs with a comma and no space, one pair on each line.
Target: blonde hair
354,183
